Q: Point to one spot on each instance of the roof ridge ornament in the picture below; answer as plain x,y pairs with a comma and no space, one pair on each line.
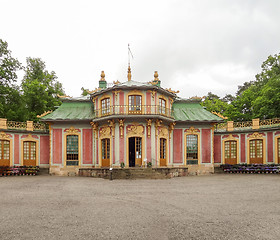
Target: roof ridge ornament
129,73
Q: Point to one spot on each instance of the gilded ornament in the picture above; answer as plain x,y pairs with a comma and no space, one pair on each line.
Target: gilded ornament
4,136
44,114
171,91
191,130
72,130
135,130
256,135
105,132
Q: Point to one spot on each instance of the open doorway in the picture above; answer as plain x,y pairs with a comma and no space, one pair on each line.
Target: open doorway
135,151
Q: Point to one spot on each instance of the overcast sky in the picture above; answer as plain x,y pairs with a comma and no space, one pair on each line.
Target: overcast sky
196,46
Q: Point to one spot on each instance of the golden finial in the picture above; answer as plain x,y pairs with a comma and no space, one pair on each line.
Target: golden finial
156,76
129,73
102,76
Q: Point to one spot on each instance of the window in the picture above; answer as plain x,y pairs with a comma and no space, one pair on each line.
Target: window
4,152
192,149
162,106
135,104
72,150
105,148
256,151
105,106
162,148
138,147
29,150
231,152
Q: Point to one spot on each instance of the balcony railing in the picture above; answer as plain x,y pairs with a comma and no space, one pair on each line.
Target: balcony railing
134,110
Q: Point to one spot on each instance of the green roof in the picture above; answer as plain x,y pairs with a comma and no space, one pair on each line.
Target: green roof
193,111
71,111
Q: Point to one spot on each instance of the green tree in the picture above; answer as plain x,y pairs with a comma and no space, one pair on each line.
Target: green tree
40,88
11,104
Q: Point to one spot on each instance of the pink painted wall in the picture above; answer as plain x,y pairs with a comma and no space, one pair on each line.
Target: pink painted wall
121,144
44,149
270,147
206,145
121,102
16,149
242,149
217,149
177,146
87,146
57,146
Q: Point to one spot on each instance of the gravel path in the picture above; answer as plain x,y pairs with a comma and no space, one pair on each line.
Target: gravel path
196,207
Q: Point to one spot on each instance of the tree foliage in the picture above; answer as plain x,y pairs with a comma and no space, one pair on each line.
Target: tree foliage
40,88
254,99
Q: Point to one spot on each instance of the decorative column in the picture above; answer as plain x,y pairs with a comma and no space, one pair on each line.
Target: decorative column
121,126
149,124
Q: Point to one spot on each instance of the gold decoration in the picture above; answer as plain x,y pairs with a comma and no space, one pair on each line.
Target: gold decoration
116,82
156,76
157,125
63,96
256,135
116,92
105,132
149,124
112,126
171,91
44,114
121,126
171,128
135,130
72,130
171,100
219,115
153,82
4,136
95,90
191,130
196,98
129,73
95,128
153,93
163,132
102,76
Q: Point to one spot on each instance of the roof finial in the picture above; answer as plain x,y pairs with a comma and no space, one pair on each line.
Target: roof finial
102,76
129,73
156,76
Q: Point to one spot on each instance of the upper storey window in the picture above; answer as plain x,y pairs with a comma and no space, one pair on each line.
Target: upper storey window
105,106
135,103
162,106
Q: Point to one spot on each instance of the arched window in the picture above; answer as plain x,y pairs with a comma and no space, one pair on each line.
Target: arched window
231,152
4,153
105,106
162,106
72,150
256,151
192,149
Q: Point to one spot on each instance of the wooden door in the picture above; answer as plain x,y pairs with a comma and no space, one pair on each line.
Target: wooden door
231,152
138,152
105,162
4,153
162,153
29,153
256,151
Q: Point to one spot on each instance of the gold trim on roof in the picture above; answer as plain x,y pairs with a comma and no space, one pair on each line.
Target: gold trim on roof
171,91
63,96
44,114
219,115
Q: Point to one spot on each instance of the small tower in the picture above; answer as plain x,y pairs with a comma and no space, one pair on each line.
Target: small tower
129,73
102,81
156,80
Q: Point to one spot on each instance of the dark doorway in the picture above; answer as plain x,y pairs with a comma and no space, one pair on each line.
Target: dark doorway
131,142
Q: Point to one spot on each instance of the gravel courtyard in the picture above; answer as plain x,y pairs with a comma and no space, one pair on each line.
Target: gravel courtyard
195,207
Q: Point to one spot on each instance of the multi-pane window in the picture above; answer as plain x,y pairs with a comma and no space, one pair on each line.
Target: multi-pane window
105,143
105,106
230,149
29,150
163,148
192,149
162,106
4,150
138,147
135,103
72,150
256,148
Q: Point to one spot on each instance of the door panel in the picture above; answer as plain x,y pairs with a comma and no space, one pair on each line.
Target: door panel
256,151
105,145
4,153
163,152
231,152
29,153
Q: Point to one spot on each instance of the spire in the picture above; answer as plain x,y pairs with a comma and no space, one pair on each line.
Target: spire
102,81
156,79
129,73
